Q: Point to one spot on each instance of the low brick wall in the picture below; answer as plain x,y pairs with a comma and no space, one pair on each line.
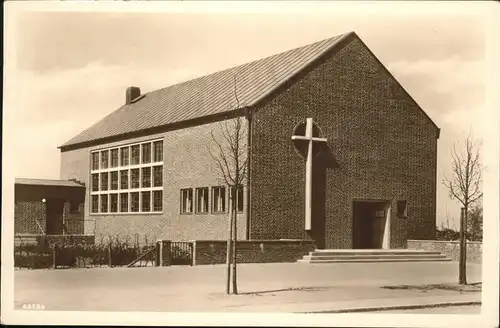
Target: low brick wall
450,248
251,251
46,239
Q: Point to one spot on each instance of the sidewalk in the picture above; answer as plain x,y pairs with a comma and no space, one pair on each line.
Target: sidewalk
286,287
364,305
334,300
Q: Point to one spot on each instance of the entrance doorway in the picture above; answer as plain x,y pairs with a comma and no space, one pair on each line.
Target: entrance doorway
55,209
371,224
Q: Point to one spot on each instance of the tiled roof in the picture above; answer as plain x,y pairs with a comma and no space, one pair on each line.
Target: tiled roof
47,182
207,95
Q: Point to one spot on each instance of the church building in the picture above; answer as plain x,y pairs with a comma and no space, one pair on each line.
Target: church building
338,152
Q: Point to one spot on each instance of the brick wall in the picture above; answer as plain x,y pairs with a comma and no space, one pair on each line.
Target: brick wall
26,213
450,248
384,145
187,164
29,207
251,251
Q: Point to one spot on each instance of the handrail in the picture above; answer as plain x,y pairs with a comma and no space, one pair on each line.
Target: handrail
153,249
39,226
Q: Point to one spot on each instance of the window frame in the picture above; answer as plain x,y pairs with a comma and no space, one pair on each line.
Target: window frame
225,198
404,204
182,204
242,189
197,190
109,171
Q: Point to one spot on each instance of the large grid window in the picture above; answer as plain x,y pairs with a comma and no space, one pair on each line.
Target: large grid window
95,161
113,200
146,153
95,182
95,204
157,200
104,159
114,180
124,202
158,151
128,179
114,157
124,154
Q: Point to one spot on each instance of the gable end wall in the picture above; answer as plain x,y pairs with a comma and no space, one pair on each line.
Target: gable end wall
385,145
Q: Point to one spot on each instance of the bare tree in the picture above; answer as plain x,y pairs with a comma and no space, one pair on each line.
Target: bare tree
229,153
465,186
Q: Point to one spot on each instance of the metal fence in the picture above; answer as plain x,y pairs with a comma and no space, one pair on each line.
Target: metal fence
181,253
59,255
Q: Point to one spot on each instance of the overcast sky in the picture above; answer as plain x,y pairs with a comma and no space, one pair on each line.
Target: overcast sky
70,69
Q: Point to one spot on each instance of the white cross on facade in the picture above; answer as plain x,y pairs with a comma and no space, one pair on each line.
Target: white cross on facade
310,140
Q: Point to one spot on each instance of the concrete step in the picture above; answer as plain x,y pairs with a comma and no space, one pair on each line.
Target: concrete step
375,256
371,255
325,252
374,260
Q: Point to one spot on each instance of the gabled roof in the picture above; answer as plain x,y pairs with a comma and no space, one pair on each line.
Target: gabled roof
207,95
47,182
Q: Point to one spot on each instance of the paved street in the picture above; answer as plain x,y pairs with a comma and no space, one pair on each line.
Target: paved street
288,287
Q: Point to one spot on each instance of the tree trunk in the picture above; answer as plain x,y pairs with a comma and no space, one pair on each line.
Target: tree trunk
233,205
229,249
462,275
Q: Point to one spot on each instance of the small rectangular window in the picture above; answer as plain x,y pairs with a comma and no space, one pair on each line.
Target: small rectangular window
146,177
114,180
134,178
104,159
104,181
95,181
401,209
202,200
157,176
157,200
136,154
186,201
134,202
124,202
114,157
95,204
113,199
158,151
124,154
238,198
218,199
146,201
124,179
146,153
95,161
104,203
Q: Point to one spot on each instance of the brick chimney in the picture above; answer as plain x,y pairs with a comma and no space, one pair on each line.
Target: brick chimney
131,94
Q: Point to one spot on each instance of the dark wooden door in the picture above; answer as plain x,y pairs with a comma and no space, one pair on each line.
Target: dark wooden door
55,208
368,224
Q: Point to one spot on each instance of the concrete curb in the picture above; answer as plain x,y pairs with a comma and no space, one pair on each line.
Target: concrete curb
397,307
